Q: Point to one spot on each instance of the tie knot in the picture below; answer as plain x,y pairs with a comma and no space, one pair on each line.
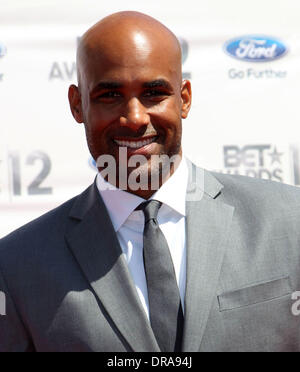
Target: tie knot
150,209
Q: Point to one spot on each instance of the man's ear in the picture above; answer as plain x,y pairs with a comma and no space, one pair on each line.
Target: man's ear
75,103
186,98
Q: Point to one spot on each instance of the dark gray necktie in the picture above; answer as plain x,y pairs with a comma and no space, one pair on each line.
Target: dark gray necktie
166,315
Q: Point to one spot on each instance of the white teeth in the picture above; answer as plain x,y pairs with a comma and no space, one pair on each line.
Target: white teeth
135,144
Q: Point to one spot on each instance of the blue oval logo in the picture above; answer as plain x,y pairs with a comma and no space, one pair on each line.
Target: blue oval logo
255,48
184,49
92,163
2,50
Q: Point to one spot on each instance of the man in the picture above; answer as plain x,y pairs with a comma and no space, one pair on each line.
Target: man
202,262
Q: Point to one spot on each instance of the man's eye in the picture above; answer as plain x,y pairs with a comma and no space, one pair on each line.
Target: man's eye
155,93
109,95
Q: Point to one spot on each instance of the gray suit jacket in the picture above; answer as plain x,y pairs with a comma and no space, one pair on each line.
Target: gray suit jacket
68,287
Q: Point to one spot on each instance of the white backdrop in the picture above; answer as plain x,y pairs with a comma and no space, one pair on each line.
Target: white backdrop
245,117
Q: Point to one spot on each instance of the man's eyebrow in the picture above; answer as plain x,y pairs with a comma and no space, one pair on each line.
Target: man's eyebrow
160,83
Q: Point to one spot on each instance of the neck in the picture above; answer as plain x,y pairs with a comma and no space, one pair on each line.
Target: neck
144,182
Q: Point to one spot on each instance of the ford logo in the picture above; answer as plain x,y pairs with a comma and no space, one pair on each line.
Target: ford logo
255,48
92,163
184,49
2,50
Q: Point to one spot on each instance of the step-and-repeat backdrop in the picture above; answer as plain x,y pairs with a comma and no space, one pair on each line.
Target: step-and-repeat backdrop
242,57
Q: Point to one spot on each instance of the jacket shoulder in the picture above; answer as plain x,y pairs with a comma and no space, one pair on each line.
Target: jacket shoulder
43,224
259,194
49,227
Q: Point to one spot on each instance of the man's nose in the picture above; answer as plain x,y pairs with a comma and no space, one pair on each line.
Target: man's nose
135,114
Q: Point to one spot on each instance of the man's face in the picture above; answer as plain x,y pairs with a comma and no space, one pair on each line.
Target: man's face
132,97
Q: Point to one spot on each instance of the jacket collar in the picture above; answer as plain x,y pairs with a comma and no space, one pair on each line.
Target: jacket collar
94,243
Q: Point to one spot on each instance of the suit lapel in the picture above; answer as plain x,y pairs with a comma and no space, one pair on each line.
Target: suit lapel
96,248
93,241
207,225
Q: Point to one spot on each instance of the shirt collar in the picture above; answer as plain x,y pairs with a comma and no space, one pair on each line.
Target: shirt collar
120,204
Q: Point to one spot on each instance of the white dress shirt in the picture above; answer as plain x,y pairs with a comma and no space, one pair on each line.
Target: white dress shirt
129,226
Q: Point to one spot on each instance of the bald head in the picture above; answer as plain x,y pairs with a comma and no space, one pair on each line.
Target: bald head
122,36
131,95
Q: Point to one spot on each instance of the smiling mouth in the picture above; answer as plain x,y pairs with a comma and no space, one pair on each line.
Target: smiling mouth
135,144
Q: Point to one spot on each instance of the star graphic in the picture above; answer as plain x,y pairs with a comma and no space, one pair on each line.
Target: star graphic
275,155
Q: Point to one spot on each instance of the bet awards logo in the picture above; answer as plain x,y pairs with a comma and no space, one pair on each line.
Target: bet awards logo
2,54
267,161
64,71
255,48
260,161
15,166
